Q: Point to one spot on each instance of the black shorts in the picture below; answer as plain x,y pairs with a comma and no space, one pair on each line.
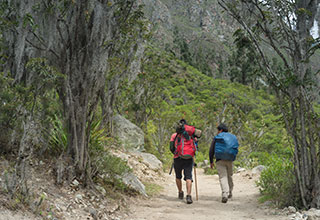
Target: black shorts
185,165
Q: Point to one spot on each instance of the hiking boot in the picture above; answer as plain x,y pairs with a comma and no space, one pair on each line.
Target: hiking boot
180,196
189,199
224,200
230,195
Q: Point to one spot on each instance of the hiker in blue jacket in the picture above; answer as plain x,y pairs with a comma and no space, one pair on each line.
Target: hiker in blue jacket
224,159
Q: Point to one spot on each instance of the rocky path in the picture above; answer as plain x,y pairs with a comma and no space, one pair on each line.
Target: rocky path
243,206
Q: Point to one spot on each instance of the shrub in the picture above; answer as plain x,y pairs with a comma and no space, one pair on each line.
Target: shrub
10,104
152,189
58,136
277,182
209,171
110,169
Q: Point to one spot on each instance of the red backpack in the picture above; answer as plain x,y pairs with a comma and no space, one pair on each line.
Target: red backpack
185,143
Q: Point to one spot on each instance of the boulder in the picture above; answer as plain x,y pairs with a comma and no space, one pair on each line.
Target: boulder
292,209
205,163
134,183
146,167
150,160
258,169
313,214
130,135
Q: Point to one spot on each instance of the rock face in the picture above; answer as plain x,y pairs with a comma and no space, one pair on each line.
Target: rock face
130,135
200,24
158,12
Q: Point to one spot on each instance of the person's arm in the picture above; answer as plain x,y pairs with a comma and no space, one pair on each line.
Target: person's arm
211,152
172,143
172,147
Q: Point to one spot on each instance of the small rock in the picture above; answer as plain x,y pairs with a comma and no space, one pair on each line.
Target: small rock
75,182
292,217
78,199
102,190
267,203
205,163
79,196
93,213
240,169
292,209
297,216
258,169
58,208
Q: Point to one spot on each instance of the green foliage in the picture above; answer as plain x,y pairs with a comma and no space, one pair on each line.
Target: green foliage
278,183
106,168
111,168
201,156
178,90
209,171
113,165
98,136
35,97
152,189
242,65
8,101
263,135
12,99
44,76
58,136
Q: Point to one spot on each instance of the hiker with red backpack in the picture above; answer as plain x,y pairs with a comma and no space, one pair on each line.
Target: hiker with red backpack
224,148
183,145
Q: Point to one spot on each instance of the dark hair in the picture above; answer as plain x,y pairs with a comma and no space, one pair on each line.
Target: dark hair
183,121
222,127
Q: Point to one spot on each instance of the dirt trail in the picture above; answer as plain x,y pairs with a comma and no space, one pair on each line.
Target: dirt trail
242,206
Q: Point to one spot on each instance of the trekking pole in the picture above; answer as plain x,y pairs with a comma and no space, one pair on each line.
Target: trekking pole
195,181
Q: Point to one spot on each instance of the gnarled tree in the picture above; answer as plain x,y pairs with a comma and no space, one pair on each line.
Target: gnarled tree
76,37
284,26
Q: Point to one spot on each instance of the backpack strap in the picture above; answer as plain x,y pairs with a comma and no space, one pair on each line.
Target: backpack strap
174,142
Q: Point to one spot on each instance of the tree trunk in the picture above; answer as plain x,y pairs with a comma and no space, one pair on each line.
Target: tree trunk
295,94
24,154
76,38
300,127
